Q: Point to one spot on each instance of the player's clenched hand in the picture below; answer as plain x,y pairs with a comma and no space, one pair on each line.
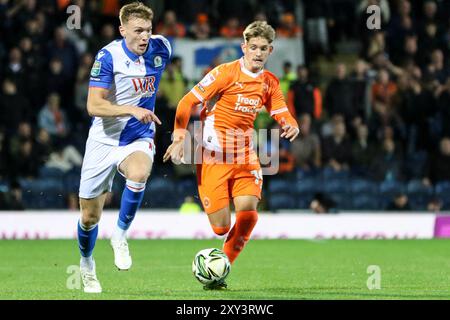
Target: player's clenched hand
175,152
145,115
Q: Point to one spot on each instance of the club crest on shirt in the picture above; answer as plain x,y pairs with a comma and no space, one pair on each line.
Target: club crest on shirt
207,80
157,61
95,71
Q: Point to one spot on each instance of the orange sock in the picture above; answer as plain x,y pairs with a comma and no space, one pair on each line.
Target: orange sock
240,233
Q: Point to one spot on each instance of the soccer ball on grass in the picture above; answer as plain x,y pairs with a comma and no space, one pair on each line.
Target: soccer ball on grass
211,265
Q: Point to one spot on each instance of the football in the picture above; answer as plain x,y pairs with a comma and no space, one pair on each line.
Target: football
210,265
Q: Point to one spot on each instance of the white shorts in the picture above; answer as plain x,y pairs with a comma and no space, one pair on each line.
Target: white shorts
101,162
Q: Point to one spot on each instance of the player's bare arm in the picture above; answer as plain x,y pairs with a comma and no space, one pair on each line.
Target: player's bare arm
99,106
176,151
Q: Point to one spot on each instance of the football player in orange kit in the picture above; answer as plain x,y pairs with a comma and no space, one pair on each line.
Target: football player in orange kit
232,94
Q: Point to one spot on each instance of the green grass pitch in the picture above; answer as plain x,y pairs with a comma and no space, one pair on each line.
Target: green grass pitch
267,269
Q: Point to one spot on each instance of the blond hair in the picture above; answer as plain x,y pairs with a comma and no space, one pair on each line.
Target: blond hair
259,29
135,10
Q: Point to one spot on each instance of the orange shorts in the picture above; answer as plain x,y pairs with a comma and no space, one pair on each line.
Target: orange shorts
218,183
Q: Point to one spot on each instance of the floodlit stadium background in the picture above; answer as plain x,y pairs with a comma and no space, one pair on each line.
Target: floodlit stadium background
373,105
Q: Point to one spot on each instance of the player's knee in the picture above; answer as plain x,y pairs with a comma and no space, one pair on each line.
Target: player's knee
89,217
220,231
89,220
138,175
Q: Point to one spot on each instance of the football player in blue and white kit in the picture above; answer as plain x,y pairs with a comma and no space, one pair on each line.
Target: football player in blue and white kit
121,100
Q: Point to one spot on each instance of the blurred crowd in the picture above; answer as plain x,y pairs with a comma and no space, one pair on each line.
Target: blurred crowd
385,116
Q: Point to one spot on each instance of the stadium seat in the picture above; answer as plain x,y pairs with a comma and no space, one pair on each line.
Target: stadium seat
363,186
415,164
302,174
391,187
418,194
442,190
308,185
342,200
329,173
336,186
282,201
185,188
43,193
46,172
304,200
279,186
365,202
160,193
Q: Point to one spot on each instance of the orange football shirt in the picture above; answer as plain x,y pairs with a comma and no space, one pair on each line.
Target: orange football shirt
232,96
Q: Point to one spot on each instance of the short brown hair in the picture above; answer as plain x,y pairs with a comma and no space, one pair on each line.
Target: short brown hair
135,10
259,29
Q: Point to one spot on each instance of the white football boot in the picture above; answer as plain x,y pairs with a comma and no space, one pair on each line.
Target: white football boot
89,278
122,258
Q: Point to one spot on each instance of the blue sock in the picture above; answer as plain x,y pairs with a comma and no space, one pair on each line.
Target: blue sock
132,196
86,239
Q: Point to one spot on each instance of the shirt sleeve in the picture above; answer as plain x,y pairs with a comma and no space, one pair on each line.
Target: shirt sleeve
102,74
277,106
164,43
211,84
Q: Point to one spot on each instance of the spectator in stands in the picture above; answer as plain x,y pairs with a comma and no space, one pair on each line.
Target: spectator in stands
287,78
15,197
288,27
170,27
24,132
15,70
428,40
438,167
201,29
107,35
43,146
435,205
34,64
388,164
359,80
303,96
429,11
443,102
363,151
436,68
382,91
25,164
14,107
322,203
399,203
260,16
189,206
65,50
52,118
339,95
409,52
64,157
400,25
231,29
286,161
56,81
3,155
377,44
337,149
306,148
81,89
318,16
